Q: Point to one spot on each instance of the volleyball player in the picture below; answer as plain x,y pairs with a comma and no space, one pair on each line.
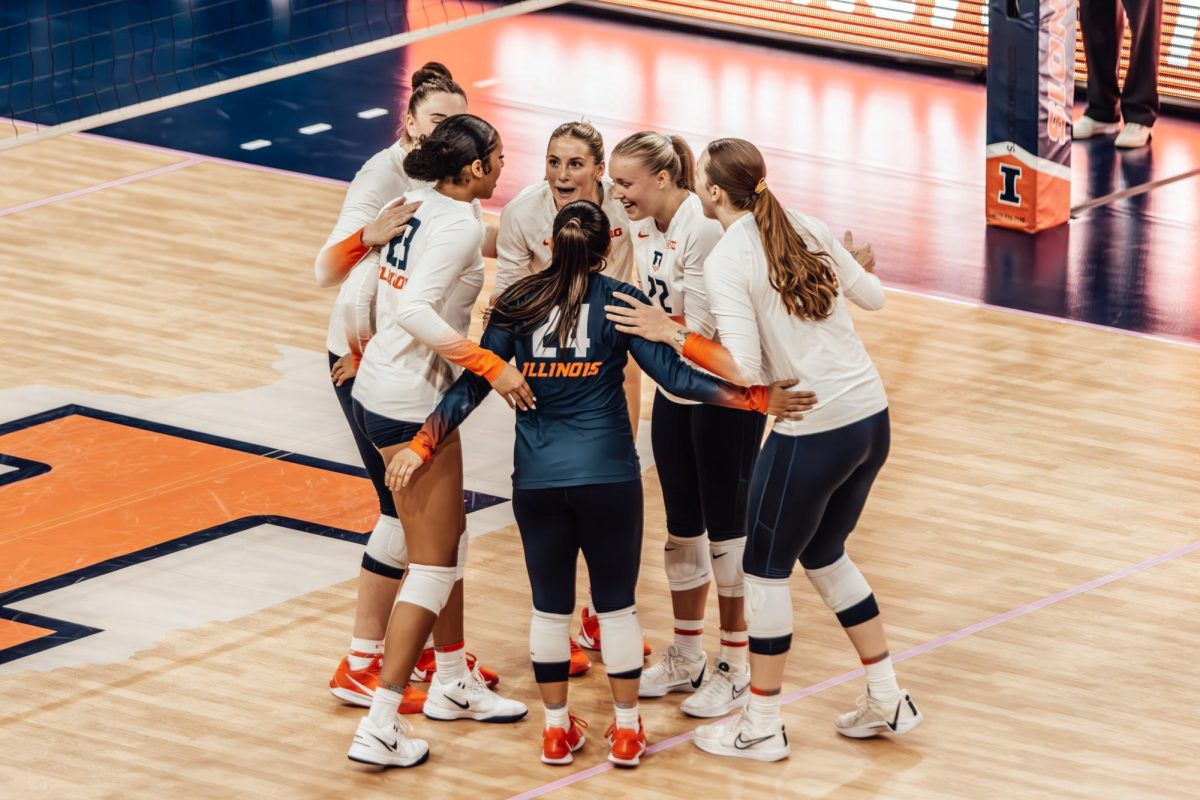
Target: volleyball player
428,281
373,213
577,483
704,454
778,282
574,171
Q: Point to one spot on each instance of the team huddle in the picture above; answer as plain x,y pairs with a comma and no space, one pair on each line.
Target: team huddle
649,261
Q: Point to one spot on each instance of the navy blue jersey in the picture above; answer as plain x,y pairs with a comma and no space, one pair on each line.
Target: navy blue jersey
580,432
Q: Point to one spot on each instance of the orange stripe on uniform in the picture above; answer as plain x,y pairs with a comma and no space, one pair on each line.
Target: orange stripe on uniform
709,355
337,260
471,356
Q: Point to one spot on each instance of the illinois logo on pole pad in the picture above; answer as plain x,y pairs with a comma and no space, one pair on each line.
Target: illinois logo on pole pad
1030,88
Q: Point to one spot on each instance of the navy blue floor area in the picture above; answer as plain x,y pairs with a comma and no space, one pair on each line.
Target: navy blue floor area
65,59
893,155
276,112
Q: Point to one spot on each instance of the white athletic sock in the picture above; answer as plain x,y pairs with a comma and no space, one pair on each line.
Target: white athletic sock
763,709
689,638
451,662
735,649
626,717
384,706
881,680
558,717
363,651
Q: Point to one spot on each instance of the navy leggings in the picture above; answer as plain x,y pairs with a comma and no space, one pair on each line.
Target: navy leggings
705,457
603,520
808,493
370,456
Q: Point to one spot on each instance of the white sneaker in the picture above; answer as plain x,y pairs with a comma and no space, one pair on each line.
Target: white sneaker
1085,128
722,692
873,717
1133,135
675,673
470,698
739,738
388,746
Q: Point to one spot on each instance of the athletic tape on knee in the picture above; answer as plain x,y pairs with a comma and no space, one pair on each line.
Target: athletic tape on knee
686,560
621,640
727,566
840,584
768,607
463,545
427,586
387,544
549,637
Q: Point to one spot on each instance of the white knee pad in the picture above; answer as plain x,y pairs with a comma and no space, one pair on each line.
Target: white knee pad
387,544
549,638
686,559
727,566
621,640
461,568
840,584
768,607
427,586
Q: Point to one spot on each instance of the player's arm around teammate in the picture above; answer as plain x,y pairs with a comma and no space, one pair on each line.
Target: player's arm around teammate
704,454
373,213
778,282
576,486
429,281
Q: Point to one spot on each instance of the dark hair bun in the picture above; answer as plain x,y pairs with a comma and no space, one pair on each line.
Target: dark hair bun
456,142
431,72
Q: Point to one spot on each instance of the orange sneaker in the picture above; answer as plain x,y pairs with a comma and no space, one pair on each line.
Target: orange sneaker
589,634
559,745
626,746
427,665
580,663
357,686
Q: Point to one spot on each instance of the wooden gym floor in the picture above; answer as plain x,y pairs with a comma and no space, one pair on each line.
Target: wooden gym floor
1033,539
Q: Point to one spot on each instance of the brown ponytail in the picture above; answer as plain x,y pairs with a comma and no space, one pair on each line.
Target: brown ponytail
581,238
804,278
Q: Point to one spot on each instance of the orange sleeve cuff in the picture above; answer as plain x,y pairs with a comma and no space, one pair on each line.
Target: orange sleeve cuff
422,445
340,258
482,362
758,398
710,355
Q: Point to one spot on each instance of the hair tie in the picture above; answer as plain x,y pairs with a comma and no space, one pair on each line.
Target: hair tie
762,185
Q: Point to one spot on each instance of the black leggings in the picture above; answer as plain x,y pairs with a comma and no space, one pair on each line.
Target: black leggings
705,457
808,493
603,520
370,456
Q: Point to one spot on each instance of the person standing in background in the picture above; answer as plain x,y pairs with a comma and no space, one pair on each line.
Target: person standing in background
1103,23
